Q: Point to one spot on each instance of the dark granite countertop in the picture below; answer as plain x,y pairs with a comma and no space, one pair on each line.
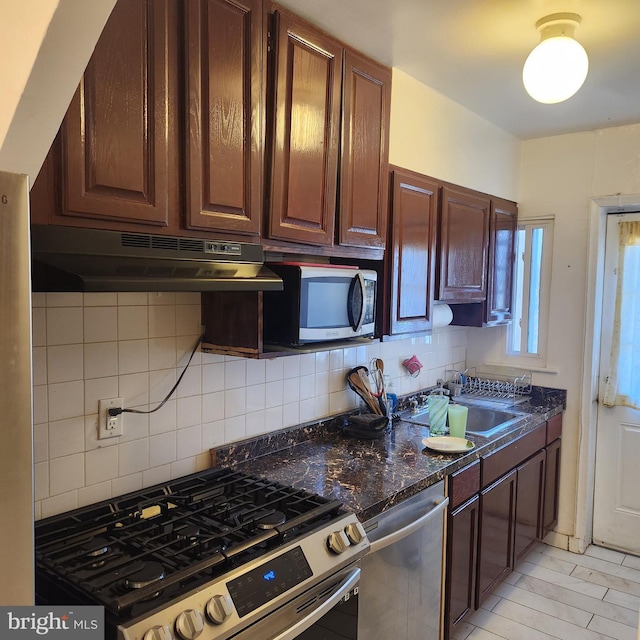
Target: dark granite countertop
369,476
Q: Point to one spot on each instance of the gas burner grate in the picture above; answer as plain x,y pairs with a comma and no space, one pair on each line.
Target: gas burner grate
193,528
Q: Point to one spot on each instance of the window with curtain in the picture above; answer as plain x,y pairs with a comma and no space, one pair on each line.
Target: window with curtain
623,383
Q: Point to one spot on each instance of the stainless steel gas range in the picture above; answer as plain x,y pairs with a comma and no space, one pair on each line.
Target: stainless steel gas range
214,555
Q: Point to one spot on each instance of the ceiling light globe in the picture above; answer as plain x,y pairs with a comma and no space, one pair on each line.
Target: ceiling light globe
555,69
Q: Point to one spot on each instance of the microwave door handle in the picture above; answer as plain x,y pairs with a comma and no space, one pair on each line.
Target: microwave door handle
358,281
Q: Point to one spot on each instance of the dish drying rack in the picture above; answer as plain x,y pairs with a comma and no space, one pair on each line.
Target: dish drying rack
493,384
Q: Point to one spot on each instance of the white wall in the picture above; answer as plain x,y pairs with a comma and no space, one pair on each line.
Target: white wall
560,176
435,136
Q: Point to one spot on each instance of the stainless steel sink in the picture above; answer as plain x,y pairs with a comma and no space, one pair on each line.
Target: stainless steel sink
482,421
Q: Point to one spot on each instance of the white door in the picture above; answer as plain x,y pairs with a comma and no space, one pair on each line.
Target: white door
616,514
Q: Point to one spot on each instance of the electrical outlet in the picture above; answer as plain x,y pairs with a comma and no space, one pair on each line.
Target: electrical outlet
109,426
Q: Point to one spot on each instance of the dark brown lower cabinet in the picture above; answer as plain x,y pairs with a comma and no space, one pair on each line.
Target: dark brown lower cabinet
500,506
495,537
529,504
461,562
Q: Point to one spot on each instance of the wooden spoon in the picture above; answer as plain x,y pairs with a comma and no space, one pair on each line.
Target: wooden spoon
382,390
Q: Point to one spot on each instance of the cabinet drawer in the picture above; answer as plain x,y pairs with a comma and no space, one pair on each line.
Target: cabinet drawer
554,428
498,462
463,484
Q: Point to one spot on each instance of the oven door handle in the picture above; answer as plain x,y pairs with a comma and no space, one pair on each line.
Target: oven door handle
349,582
439,505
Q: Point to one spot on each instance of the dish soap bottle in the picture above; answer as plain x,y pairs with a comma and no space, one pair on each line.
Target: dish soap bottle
392,398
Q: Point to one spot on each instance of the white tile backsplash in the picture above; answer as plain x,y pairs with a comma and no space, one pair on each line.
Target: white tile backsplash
189,442
94,493
235,374
66,473
38,327
162,321
133,356
133,456
135,345
234,402
64,325
100,359
66,400
66,437
101,465
162,449
100,324
162,353
256,372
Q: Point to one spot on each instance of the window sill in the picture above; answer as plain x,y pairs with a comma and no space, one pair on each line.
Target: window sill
522,367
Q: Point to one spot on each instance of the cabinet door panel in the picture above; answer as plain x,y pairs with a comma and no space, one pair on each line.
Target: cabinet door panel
529,499
504,221
461,563
551,489
225,128
119,145
305,145
495,549
365,150
412,250
464,242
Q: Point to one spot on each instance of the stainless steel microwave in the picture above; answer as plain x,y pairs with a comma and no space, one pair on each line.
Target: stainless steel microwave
319,303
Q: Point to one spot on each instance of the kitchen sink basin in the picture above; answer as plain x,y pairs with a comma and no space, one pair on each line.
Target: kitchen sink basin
482,421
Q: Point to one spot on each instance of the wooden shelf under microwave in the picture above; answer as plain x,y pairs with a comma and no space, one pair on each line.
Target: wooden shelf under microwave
233,325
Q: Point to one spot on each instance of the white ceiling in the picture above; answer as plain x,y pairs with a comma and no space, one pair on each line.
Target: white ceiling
472,51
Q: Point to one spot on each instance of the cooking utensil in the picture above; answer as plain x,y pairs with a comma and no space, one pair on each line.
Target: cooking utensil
356,383
364,375
377,366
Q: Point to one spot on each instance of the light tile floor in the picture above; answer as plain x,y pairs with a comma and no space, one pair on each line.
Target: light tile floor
555,594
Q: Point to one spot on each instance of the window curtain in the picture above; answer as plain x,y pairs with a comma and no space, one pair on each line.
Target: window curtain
623,383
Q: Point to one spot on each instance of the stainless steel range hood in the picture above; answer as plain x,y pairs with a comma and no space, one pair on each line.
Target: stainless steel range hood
73,259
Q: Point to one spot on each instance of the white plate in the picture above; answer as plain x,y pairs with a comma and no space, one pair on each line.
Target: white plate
448,444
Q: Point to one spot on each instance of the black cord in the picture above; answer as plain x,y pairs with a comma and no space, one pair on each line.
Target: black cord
116,411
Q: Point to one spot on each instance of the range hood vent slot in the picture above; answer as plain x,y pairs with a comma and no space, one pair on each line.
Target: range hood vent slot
190,244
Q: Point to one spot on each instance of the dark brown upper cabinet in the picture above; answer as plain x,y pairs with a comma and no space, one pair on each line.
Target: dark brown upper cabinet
407,291
366,103
463,245
329,141
225,122
497,308
306,131
226,117
119,137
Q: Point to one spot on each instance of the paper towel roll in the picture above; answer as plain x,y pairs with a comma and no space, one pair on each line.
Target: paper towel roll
442,315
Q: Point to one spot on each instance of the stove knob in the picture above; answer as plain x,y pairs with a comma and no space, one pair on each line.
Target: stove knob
159,633
219,608
355,532
338,542
189,624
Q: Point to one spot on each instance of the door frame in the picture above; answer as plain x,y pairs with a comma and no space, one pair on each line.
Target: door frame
588,415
